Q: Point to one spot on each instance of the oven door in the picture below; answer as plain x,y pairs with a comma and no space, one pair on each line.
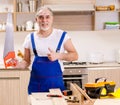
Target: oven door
80,80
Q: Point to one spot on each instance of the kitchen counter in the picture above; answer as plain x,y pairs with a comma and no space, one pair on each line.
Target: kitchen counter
106,64
88,65
2,67
13,88
13,69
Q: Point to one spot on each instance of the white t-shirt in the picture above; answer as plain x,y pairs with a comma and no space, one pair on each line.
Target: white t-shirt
42,44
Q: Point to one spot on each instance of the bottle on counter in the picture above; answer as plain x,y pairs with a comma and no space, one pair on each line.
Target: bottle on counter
32,5
118,56
19,6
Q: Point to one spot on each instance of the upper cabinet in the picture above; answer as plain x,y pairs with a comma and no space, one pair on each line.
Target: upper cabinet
23,13
80,15
69,5
71,15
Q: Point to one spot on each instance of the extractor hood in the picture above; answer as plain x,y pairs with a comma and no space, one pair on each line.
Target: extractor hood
87,7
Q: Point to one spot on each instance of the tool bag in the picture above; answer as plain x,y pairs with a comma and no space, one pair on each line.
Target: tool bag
99,88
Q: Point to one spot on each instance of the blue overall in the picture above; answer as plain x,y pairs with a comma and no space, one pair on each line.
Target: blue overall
45,74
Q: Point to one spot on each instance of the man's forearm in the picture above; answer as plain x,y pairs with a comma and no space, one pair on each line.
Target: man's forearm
68,56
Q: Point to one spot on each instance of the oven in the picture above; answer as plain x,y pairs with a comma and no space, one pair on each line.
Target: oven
75,74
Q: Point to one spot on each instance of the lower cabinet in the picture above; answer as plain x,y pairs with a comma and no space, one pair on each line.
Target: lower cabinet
13,87
110,73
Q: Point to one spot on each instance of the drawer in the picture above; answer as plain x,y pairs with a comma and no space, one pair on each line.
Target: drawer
9,74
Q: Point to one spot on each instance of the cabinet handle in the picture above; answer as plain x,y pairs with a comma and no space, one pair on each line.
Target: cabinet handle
73,78
9,77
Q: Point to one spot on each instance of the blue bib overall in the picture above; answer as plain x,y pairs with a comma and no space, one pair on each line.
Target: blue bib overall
45,74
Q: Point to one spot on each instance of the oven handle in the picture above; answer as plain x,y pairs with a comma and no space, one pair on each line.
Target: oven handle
73,78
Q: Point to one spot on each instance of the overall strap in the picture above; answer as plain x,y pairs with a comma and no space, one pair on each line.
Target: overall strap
60,42
33,44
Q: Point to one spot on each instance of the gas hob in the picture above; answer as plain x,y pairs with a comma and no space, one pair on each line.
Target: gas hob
74,64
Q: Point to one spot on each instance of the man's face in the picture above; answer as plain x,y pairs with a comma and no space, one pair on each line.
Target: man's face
45,19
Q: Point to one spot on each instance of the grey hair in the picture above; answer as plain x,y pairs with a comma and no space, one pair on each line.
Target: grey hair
42,8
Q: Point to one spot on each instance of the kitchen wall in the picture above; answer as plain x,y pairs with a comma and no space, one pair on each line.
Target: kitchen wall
105,42
86,42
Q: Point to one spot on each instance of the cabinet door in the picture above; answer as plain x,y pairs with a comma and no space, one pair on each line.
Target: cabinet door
24,80
111,74
9,88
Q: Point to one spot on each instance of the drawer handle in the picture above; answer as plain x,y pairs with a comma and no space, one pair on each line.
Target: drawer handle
73,78
9,77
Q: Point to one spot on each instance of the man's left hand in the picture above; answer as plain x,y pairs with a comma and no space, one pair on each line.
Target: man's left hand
52,55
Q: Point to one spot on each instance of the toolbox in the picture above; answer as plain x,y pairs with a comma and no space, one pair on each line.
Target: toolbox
99,89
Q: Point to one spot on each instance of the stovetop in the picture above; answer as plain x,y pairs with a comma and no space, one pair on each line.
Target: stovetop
74,63
89,65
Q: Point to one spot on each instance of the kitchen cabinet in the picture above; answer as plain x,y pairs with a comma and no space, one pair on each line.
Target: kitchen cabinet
83,14
72,15
110,73
77,15
13,87
20,14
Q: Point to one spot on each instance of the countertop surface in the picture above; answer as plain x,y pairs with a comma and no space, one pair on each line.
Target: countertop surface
11,69
2,67
88,65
